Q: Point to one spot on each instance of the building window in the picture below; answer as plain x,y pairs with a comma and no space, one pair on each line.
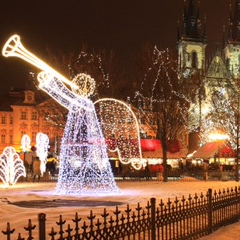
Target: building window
194,60
23,133
3,120
23,115
11,120
3,138
34,115
34,134
11,139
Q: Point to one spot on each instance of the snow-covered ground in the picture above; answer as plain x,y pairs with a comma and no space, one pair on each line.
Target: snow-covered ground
131,193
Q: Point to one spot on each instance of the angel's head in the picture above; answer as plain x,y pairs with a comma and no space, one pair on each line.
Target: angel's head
85,83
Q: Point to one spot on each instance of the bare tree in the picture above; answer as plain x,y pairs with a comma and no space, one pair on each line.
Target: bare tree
161,91
53,112
223,116
102,65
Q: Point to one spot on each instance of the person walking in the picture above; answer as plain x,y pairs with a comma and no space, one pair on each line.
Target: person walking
147,172
36,169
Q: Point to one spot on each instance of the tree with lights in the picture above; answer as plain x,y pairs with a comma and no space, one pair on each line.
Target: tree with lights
53,112
161,93
102,65
223,117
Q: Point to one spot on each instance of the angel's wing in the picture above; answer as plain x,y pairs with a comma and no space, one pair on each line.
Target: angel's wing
121,130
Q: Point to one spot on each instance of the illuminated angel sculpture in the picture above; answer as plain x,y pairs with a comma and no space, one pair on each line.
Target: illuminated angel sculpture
11,166
84,163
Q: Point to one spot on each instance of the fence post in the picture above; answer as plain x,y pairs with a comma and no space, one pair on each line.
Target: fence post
210,210
153,218
42,226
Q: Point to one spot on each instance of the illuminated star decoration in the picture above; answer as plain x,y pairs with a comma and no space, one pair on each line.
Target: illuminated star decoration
11,166
84,164
42,144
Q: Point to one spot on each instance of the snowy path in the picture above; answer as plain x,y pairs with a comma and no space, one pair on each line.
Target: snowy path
132,193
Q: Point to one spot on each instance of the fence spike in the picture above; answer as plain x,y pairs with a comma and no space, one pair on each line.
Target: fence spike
8,231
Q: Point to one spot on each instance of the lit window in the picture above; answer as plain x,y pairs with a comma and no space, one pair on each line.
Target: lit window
11,120
3,138
23,133
34,115
3,121
23,115
34,134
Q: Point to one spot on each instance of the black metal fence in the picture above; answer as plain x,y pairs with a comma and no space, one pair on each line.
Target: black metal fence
187,218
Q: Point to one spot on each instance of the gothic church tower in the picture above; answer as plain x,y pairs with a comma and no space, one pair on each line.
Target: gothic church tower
191,40
232,42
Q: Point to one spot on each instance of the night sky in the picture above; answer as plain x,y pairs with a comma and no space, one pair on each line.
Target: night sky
121,25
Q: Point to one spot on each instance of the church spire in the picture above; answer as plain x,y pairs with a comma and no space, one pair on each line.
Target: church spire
191,24
191,39
234,23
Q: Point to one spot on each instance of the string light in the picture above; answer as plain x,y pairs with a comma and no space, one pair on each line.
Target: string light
14,48
11,166
222,115
163,99
121,128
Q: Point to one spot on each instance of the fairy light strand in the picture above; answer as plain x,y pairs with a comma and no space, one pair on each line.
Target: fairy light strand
121,128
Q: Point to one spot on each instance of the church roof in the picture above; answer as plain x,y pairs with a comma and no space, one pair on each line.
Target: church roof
217,68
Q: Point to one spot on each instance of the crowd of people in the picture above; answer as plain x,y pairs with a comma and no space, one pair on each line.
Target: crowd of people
33,169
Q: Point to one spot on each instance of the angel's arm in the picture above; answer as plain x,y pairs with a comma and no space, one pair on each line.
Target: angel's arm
57,90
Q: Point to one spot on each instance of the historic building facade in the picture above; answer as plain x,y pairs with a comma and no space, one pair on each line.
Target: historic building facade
19,115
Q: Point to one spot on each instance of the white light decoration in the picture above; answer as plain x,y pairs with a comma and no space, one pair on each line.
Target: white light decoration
11,166
84,164
42,144
121,128
86,85
218,136
14,48
25,143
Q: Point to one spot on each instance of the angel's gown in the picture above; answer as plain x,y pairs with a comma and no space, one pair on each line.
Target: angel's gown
84,164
